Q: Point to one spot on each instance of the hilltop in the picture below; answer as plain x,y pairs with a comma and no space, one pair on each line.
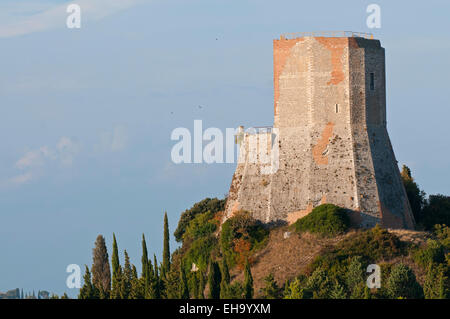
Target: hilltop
320,245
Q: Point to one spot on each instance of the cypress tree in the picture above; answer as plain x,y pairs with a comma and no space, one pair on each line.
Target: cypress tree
144,258
172,283
148,281
127,277
355,278
214,280
116,271
137,286
88,289
225,283
151,270
193,285
402,283
101,272
201,283
115,256
156,281
248,281
416,196
166,248
271,289
184,291
146,269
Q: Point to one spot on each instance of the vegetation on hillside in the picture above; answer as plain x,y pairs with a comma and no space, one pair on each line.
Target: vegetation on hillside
213,255
326,219
240,237
427,211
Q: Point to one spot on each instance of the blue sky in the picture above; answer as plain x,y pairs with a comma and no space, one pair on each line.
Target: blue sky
86,114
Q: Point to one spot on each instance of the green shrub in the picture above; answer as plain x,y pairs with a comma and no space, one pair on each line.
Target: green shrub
416,196
437,284
370,246
297,289
326,219
435,211
373,244
338,291
235,290
432,253
355,276
271,289
402,283
212,205
199,253
240,237
200,226
319,284
442,233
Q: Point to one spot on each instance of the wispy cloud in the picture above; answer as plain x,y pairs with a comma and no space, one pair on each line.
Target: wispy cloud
113,141
64,152
32,161
20,179
19,20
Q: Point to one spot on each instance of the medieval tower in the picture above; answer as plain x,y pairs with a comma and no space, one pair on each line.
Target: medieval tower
329,142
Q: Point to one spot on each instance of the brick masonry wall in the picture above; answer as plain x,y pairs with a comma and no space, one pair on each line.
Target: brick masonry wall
333,144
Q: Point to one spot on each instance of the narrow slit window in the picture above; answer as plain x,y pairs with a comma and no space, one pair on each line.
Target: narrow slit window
372,81
337,108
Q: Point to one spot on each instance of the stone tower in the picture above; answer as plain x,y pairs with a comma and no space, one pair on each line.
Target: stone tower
329,139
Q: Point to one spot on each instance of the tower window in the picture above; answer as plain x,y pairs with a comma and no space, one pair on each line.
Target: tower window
372,81
337,108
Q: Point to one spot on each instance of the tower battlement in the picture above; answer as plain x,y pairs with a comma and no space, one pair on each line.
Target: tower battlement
328,34
332,143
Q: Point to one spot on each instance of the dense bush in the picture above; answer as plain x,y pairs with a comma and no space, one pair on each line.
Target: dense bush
201,226
373,244
271,289
432,253
197,233
355,278
427,211
199,253
369,246
296,289
213,205
442,234
402,283
435,211
416,196
241,235
326,219
320,284
235,290
437,283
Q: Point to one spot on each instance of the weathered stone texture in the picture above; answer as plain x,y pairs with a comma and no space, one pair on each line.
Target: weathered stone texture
332,140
